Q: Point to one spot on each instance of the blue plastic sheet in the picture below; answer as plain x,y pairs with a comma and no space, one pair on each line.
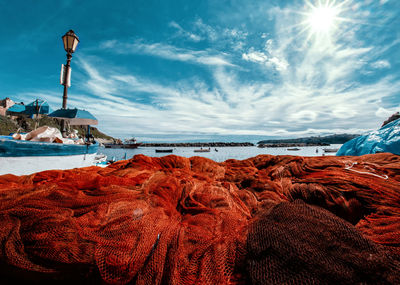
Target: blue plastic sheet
385,139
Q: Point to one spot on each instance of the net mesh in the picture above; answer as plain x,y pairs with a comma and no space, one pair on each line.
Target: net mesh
295,243
175,220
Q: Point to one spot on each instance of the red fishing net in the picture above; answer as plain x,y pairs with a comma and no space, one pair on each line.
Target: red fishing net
295,243
175,220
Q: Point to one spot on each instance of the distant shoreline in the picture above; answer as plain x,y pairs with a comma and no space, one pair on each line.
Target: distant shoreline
222,144
292,144
197,144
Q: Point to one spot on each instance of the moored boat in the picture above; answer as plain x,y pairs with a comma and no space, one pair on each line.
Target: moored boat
293,149
111,145
45,148
202,150
20,157
164,150
331,149
130,143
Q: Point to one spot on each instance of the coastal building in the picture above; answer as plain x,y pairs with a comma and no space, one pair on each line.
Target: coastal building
16,110
33,110
4,105
37,108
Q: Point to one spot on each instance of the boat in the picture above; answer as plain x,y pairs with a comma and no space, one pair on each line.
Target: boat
164,150
202,150
129,143
46,149
293,148
112,145
331,149
101,160
20,157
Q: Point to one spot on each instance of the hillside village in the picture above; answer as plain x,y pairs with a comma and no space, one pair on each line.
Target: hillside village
22,118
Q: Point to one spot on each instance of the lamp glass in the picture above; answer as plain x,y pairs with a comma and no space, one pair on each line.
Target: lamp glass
70,41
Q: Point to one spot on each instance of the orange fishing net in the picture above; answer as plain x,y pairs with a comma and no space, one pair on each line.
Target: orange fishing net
175,220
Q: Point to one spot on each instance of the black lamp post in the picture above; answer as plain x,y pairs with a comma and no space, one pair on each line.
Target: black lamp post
70,41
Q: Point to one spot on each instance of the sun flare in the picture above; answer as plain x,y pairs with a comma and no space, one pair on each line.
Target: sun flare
322,18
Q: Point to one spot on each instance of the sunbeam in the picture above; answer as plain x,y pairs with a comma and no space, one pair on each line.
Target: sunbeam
323,19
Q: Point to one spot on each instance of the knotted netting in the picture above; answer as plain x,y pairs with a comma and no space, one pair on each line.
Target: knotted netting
175,220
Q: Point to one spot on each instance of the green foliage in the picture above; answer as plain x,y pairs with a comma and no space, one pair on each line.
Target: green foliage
25,125
7,126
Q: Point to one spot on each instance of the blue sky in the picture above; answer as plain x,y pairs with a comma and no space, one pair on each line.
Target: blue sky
273,68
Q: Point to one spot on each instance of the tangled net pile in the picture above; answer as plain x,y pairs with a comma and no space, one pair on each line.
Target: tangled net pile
174,220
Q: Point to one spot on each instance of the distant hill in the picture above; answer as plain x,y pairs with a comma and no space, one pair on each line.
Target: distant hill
25,125
331,139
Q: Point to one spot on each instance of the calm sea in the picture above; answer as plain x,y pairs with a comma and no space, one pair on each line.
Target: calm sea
218,154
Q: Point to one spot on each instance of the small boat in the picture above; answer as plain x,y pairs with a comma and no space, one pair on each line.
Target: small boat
101,160
216,150
20,157
293,148
164,150
331,149
130,143
202,150
46,149
112,145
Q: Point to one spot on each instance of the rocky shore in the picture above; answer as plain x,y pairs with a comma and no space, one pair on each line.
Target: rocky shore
312,141
197,144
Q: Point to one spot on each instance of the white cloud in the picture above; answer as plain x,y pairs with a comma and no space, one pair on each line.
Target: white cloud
380,64
255,56
261,57
317,90
203,57
235,34
206,30
183,33
219,36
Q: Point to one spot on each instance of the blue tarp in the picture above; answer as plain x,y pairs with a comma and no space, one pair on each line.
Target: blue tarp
37,107
16,108
386,139
73,113
75,116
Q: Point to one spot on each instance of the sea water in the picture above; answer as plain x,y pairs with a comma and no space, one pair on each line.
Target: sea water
218,154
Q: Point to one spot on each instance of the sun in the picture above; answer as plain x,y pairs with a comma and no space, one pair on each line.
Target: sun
322,18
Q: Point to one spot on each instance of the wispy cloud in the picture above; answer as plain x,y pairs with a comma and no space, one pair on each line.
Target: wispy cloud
319,86
183,33
204,57
209,32
232,107
381,64
267,60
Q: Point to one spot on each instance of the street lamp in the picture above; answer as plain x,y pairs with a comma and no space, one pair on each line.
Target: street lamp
70,41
